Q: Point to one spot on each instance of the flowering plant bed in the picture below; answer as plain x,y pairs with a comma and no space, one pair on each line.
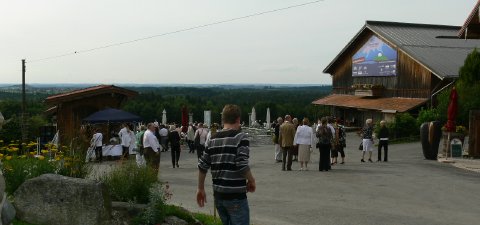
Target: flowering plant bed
21,162
368,90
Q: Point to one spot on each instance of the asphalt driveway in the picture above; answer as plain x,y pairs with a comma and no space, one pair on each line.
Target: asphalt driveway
406,190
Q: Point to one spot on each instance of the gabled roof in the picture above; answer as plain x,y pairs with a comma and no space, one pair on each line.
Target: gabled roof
473,18
89,92
379,104
436,47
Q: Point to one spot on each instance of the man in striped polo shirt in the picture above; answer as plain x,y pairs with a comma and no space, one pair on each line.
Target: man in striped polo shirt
227,156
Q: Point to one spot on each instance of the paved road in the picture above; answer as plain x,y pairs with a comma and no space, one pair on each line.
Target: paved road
406,190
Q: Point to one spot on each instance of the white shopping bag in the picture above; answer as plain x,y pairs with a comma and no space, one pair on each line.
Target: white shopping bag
140,159
90,154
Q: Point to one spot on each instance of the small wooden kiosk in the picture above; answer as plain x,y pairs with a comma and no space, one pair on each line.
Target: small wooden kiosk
72,107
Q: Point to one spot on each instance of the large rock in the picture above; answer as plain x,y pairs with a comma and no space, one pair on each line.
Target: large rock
58,200
7,211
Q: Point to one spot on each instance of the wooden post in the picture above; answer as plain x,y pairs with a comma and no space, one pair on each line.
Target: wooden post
24,105
474,132
23,87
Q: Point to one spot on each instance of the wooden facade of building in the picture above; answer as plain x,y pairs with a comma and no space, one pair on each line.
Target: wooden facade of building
427,60
413,80
72,107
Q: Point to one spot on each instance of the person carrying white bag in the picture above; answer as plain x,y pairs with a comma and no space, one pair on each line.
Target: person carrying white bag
140,158
95,149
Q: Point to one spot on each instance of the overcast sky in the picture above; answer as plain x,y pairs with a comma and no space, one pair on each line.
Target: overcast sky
287,47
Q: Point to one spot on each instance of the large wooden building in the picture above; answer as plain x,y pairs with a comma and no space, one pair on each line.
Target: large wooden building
390,68
72,107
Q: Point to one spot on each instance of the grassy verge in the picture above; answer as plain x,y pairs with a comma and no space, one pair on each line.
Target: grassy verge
207,219
17,222
171,210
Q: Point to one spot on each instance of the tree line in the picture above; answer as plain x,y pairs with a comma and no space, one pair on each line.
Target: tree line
151,102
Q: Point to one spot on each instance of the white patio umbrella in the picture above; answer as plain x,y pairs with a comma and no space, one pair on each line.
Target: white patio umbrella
268,119
164,117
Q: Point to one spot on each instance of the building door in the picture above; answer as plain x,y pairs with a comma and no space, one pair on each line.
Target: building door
474,139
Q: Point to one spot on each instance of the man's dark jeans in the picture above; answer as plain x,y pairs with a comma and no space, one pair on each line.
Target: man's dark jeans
288,160
233,212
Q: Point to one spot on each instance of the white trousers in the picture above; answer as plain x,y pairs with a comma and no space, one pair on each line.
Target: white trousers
278,152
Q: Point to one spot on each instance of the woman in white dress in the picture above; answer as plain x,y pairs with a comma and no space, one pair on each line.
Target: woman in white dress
305,139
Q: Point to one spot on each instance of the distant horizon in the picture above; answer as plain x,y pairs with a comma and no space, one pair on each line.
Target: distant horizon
167,84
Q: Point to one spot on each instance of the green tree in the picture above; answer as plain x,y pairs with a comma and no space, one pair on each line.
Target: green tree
11,130
468,88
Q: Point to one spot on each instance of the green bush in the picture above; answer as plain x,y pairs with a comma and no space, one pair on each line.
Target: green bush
427,115
18,170
155,210
130,183
404,126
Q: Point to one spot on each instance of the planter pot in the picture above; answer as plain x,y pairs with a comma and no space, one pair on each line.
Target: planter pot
424,140
430,138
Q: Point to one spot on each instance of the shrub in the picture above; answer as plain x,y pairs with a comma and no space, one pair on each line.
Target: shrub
404,126
130,183
155,212
427,115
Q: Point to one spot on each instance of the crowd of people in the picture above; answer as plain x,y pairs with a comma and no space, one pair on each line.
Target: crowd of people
295,142
149,140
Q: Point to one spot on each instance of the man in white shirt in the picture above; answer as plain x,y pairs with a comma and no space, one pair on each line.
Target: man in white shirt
96,142
126,140
200,139
151,147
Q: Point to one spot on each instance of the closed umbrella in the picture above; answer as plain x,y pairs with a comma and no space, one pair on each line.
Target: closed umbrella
184,119
452,110
451,116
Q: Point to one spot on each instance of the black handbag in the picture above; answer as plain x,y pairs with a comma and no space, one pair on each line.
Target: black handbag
361,146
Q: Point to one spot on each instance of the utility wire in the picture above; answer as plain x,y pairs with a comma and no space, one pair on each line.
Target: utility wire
174,32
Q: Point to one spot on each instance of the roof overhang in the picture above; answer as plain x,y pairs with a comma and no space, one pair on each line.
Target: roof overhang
89,92
386,105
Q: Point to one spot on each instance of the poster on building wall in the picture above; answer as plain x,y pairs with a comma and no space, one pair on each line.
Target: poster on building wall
375,58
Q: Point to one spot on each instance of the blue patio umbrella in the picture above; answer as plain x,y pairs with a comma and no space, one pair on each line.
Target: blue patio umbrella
112,116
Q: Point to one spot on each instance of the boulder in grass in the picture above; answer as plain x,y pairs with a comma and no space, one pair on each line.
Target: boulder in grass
58,200
7,212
